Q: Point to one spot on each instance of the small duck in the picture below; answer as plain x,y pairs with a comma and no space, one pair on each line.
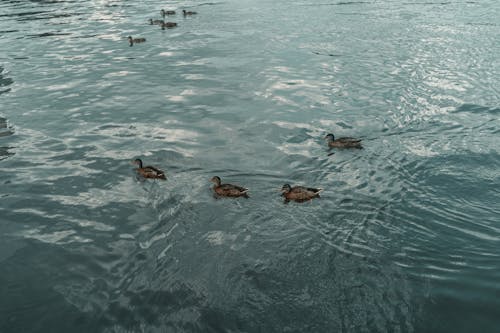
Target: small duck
167,12
228,190
155,22
148,171
188,12
343,142
132,41
299,193
168,25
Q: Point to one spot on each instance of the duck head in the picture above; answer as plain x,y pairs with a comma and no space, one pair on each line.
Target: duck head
216,180
329,137
286,188
162,12
130,40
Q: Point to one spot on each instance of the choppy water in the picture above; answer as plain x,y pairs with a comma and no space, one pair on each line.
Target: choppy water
406,237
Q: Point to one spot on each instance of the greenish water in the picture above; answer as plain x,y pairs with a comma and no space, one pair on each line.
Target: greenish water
406,236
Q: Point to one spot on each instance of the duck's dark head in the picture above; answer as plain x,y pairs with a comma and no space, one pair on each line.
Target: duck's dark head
184,12
151,21
138,162
286,188
162,12
130,40
216,180
329,137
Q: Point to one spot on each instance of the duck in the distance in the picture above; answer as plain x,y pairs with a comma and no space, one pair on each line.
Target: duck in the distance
168,25
148,171
164,12
345,142
228,190
299,193
133,41
187,13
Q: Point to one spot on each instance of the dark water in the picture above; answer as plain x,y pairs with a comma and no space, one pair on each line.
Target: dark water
406,237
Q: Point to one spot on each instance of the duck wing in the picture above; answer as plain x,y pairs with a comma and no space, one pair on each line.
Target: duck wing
231,190
303,193
152,172
314,190
348,140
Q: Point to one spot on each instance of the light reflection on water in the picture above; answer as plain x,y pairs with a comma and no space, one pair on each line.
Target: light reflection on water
404,238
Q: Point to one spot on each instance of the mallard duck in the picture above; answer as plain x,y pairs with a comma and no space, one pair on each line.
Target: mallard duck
299,193
188,12
343,142
156,22
148,171
132,41
168,25
167,12
228,190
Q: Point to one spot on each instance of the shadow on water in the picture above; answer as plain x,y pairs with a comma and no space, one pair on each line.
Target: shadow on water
5,129
4,82
472,108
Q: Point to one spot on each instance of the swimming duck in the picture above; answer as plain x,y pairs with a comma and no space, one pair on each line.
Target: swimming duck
168,25
228,190
135,40
148,171
343,142
299,193
188,13
167,12
157,22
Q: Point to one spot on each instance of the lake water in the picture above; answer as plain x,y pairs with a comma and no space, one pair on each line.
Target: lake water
406,236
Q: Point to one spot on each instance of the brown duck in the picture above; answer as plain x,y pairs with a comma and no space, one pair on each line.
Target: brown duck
149,171
167,12
168,25
228,190
132,41
345,142
299,193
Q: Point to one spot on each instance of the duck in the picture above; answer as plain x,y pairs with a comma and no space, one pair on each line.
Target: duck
345,142
299,193
188,12
157,22
167,12
132,41
148,171
168,25
228,190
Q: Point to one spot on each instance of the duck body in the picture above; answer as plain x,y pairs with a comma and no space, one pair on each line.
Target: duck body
133,41
228,190
168,25
299,193
149,171
345,142
186,13
167,12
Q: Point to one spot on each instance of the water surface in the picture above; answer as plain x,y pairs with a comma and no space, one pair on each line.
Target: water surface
404,239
